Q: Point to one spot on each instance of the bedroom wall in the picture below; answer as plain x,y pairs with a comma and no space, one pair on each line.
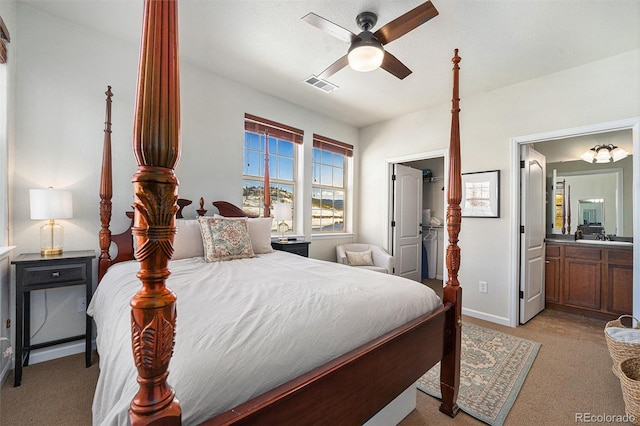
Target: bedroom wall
597,92
59,133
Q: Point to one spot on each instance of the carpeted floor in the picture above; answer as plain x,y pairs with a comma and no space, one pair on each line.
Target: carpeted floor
571,374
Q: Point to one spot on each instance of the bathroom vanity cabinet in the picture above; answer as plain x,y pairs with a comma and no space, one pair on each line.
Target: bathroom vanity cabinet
594,280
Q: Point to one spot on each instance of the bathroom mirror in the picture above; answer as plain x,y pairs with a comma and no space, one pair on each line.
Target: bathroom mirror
591,215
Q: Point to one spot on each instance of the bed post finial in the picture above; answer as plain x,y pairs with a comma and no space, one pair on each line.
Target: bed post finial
106,192
156,145
452,293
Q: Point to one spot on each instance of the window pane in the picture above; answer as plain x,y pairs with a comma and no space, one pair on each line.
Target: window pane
316,155
273,144
338,160
253,164
252,196
326,157
327,176
338,177
285,168
285,148
252,141
316,209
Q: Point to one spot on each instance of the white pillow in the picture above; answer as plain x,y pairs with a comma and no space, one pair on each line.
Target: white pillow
259,232
188,240
620,334
359,258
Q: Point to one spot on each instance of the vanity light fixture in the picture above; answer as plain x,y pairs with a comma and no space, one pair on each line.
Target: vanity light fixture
604,154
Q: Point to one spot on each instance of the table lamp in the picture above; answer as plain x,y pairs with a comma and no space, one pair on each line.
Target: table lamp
281,213
50,204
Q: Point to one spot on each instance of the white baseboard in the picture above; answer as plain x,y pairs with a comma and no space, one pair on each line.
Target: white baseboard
5,372
487,317
58,351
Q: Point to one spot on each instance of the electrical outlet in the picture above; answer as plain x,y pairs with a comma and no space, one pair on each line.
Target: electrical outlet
483,287
82,304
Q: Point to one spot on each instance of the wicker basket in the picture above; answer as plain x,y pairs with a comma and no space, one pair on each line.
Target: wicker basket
630,382
618,350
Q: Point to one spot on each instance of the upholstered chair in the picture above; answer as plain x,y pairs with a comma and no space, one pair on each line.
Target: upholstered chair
367,256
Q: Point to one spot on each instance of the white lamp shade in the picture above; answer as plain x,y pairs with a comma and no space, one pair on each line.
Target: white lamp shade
603,155
282,211
365,58
50,204
618,153
588,156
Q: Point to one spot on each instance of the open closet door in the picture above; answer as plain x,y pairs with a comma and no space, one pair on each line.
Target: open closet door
532,232
407,222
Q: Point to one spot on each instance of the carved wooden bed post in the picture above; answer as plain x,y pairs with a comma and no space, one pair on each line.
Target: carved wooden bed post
156,144
452,293
106,192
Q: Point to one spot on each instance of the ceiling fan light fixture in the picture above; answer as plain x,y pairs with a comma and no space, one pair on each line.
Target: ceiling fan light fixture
366,53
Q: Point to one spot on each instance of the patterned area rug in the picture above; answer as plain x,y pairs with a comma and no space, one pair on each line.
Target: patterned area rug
493,366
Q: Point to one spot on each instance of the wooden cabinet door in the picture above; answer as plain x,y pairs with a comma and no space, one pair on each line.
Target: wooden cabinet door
582,283
552,277
620,281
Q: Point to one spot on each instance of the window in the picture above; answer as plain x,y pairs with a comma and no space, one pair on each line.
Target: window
270,150
328,196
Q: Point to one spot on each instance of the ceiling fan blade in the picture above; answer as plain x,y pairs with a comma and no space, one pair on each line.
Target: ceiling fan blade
405,23
329,27
393,65
335,67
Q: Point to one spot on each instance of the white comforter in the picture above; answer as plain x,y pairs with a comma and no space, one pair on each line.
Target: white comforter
268,320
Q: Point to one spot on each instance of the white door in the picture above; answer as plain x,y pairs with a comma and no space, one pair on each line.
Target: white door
532,231
407,221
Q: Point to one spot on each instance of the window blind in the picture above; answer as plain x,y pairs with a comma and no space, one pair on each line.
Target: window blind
332,145
261,125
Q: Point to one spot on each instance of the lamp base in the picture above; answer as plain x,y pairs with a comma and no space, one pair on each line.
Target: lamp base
283,240
51,239
51,252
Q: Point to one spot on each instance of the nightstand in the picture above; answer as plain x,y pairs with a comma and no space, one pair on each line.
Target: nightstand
37,272
297,247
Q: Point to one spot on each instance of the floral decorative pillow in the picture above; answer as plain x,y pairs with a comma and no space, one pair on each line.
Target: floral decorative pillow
359,258
225,239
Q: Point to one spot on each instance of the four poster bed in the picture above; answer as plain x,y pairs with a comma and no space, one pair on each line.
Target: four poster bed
338,357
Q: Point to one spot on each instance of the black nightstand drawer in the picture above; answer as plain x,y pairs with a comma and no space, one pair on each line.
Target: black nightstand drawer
34,275
296,247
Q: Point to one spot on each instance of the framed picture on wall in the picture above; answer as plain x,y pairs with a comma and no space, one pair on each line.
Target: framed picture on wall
481,194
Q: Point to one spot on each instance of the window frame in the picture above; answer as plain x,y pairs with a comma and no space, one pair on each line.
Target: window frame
268,131
326,145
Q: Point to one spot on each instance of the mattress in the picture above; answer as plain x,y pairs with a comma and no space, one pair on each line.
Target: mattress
246,326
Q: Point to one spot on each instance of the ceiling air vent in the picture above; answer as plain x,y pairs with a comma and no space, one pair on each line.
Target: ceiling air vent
321,84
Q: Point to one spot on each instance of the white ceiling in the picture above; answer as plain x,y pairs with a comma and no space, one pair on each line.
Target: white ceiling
264,44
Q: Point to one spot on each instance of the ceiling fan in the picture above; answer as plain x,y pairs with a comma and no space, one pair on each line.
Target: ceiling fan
366,51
